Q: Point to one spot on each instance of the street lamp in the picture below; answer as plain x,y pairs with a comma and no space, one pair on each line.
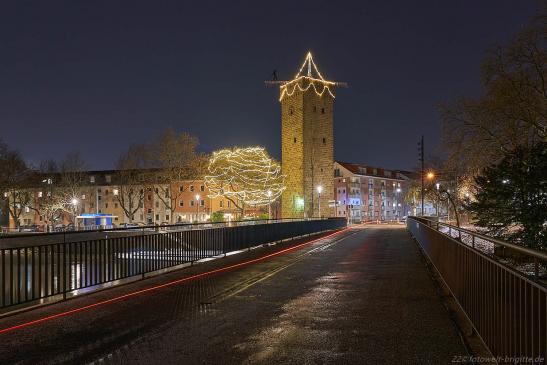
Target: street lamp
74,205
319,190
269,193
430,175
398,191
197,207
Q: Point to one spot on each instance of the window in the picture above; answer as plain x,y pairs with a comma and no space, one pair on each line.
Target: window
83,196
202,203
99,197
157,217
157,204
291,110
106,205
191,203
181,203
181,188
106,192
116,218
108,178
149,197
324,140
322,110
221,203
39,194
115,191
92,179
294,139
149,210
202,188
191,187
157,190
167,217
115,205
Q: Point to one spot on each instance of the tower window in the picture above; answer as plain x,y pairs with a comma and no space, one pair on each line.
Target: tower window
324,140
322,110
294,139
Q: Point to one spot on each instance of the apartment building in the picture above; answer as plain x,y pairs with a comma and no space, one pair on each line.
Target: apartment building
150,202
365,193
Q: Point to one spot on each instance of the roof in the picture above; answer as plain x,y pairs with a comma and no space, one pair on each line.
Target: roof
366,170
308,76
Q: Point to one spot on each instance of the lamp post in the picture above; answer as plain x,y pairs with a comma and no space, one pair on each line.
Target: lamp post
197,207
319,190
74,206
269,193
398,190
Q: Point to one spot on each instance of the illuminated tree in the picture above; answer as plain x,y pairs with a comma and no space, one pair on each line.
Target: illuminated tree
245,176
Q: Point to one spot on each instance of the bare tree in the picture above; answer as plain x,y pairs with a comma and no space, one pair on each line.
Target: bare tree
176,157
131,180
15,180
511,113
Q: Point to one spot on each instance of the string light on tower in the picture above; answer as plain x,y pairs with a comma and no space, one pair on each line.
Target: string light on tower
319,84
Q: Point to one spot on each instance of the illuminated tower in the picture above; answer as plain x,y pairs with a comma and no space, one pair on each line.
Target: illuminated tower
307,142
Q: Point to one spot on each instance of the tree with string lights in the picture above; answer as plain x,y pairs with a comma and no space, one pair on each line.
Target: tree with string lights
245,176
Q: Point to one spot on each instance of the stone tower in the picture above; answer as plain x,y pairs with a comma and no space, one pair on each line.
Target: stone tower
307,143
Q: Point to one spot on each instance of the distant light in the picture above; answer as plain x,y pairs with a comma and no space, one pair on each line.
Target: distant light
430,175
197,196
505,181
438,185
319,189
74,201
398,190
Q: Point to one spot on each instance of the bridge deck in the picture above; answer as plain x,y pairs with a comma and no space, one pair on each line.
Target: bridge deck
361,296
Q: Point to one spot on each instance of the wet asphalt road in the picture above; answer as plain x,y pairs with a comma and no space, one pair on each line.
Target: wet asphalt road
363,296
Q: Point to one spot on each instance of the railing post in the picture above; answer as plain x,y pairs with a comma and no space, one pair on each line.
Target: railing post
64,266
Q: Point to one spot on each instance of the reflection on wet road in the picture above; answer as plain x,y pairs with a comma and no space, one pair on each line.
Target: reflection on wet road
362,296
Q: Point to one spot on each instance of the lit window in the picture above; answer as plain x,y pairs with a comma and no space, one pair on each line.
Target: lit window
115,191
39,194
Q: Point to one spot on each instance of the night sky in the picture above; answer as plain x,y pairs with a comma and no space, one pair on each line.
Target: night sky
95,76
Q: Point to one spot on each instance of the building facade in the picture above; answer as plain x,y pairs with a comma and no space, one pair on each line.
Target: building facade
365,193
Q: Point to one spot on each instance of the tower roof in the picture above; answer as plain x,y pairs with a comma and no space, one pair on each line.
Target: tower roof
308,76
310,69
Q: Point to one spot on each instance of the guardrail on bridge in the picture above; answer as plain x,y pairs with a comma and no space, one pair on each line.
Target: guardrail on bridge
34,273
507,308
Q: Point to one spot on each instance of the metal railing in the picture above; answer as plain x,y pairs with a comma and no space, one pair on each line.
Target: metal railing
38,272
506,308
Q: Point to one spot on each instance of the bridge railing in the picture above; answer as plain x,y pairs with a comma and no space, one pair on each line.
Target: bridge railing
37,273
507,308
